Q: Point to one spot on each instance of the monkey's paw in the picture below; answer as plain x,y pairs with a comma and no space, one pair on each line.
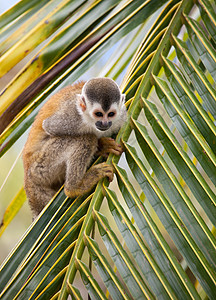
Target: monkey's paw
108,145
106,170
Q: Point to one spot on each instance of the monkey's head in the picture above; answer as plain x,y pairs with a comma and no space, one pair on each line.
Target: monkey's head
101,105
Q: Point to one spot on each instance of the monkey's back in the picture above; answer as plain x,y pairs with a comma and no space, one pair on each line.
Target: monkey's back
44,172
37,135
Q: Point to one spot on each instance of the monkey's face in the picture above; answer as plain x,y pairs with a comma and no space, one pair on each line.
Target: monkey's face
104,119
100,121
107,121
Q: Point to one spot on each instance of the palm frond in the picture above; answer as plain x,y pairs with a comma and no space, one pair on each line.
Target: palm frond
146,231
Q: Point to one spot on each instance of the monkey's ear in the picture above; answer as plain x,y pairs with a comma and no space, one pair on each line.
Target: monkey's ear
81,102
123,98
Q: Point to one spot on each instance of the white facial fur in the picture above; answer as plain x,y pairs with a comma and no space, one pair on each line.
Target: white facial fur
89,118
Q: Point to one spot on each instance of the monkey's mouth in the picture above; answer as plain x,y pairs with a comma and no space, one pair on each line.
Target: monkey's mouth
102,129
103,126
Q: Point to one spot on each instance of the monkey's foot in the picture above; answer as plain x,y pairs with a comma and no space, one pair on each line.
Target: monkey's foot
90,179
108,145
105,171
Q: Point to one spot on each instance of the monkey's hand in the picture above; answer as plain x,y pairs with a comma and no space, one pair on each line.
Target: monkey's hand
108,145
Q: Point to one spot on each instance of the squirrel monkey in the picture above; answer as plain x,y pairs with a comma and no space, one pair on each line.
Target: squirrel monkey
74,125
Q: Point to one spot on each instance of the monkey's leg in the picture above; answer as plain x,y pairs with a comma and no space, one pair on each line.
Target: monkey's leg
91,178
44,176
108,145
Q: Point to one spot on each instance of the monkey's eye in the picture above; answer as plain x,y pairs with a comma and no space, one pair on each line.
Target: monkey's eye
99,114
111,114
